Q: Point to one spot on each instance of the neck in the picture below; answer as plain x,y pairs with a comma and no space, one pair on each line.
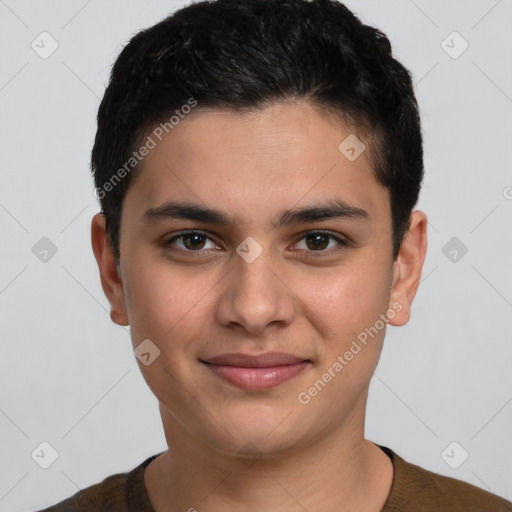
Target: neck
342,471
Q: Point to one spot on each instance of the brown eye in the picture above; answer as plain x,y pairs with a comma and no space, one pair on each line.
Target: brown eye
317,241
190,241
193,240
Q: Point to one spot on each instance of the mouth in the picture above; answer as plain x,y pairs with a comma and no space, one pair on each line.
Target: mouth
256,373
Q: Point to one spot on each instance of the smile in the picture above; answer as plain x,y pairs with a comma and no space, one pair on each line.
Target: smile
257,378
255,373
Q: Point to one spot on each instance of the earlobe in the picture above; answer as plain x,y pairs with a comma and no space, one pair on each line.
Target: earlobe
109,273
408,266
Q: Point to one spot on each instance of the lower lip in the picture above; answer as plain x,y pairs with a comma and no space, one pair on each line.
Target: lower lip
255,379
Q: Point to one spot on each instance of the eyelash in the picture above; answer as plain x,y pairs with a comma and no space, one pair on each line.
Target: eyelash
321,252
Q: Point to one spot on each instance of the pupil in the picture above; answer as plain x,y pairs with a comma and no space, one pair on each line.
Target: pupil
317,241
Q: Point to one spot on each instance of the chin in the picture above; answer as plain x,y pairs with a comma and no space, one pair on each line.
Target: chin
250,448
267,436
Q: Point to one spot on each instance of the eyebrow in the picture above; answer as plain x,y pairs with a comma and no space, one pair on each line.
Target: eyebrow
334,209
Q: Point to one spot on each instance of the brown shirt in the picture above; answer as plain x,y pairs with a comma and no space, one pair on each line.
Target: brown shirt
414,490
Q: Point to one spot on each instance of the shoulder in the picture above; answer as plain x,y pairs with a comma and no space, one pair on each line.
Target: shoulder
109,491
418,489
121,492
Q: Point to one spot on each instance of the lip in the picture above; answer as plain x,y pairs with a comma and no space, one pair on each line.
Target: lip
266,360
255,373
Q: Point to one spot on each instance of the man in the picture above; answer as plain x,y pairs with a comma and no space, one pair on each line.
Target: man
257,164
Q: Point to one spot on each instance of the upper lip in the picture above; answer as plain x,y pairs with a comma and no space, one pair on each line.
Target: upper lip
266,360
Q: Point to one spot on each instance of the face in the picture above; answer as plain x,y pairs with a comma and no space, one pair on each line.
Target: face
279,244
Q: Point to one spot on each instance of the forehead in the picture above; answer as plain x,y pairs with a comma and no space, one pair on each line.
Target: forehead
254,162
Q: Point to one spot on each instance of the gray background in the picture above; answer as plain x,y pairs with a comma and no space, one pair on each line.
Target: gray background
68,375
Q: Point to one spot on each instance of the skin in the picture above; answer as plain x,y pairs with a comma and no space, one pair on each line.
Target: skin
194,306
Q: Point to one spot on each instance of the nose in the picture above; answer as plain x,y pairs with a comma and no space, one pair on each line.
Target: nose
255,296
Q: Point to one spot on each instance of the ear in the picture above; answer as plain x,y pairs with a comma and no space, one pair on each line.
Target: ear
408,266
109,272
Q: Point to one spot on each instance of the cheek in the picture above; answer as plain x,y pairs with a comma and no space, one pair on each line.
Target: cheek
348,299
166,308
165,305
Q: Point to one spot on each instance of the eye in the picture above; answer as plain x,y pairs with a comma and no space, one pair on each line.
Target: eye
319,241
313,241
191,241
